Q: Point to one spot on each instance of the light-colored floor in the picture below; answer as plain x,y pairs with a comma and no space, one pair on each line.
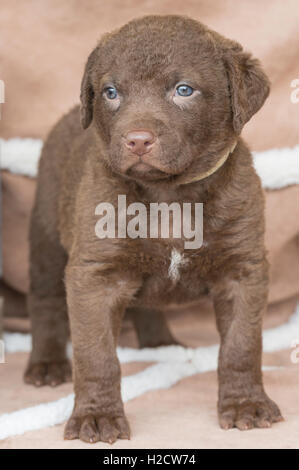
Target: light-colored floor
182,416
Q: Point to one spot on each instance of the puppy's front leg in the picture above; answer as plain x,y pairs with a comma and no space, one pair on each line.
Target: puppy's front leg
242,401
96,303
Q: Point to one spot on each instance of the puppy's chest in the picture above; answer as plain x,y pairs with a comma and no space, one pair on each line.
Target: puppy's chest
171,274
177,262
172,263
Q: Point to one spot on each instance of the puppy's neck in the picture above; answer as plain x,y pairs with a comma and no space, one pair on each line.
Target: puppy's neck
220,162
186,187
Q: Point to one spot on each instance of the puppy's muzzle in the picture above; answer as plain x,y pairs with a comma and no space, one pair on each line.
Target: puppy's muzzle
140,142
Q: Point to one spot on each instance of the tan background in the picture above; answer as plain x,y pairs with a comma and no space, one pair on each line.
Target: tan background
44,46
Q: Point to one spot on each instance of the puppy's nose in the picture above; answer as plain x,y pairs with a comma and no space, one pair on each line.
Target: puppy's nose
140,142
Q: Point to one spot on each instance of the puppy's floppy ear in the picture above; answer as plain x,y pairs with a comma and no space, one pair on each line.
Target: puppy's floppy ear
249,85
87,92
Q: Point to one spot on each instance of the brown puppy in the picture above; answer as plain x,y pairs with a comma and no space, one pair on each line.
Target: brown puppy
164,100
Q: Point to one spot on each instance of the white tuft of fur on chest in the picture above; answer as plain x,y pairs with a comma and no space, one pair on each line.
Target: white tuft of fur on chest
177,260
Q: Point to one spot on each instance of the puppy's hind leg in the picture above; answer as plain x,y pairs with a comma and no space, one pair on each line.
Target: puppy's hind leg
48,363
151,327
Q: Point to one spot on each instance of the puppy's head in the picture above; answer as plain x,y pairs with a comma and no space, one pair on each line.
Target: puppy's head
166,95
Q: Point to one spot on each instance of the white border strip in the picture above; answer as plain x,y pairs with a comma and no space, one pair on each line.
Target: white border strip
274,339
20,156
156,377
277,168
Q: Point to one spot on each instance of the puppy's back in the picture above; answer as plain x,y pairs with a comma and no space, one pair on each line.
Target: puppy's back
58,174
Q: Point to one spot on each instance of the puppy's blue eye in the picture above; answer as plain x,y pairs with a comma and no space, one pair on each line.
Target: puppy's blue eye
184,90
111,93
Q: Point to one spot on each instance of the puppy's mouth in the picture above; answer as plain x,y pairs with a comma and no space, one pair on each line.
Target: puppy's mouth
152,165
144,170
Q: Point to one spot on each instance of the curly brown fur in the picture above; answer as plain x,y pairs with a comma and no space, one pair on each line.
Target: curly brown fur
145,60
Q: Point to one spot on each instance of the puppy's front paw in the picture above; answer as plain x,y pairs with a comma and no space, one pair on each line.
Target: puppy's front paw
247,413
48,373
96,427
